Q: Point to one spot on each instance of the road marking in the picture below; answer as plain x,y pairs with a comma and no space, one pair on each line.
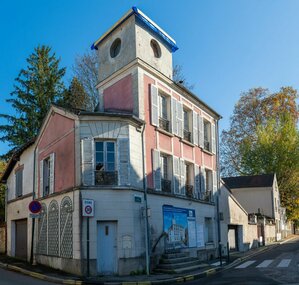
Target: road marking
284,263
265,263
245,264
218,263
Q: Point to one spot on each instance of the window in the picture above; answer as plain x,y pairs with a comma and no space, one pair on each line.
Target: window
46,176
105,163
19,182
165,173
164,112
208,230
187,118
115,48
207,136
156,48
189,180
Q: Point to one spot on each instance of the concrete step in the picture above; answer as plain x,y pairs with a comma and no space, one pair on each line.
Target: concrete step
175,260
175,266
182,270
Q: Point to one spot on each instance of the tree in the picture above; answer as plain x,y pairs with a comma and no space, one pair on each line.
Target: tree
2,193
75,96
35,89
86,70
263,138
179,77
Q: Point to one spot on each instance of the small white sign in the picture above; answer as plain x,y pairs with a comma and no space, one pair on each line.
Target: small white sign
87,208
34,216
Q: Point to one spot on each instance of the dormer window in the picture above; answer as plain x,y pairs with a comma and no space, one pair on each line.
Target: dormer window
115,48
156,48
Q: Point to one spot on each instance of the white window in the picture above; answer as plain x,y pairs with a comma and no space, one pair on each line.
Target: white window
105,163
165,163
207,135
209,180
19,182
164,112
189,174
187,123
47,175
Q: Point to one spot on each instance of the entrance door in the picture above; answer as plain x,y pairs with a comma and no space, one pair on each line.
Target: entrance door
21,239
232,237
107,248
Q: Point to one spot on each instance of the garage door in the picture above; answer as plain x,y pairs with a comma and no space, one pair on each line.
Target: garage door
21,239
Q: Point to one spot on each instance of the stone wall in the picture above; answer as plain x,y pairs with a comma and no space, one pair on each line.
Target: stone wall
2,238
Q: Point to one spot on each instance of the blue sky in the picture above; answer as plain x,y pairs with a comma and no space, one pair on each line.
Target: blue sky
225,46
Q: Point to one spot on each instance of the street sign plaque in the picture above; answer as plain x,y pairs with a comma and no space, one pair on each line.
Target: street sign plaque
87,208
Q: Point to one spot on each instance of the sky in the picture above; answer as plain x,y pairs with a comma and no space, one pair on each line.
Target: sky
226,47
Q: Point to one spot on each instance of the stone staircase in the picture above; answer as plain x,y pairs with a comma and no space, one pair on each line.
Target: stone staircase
178,262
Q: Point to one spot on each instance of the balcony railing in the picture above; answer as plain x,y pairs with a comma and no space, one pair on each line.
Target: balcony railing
189,191
205,196
187,135
106,177
166,185
207,145
164,124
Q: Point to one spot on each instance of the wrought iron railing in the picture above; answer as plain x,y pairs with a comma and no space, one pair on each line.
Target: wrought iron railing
106,177
207,145
189,191
187,135
205,196
164,124
166,185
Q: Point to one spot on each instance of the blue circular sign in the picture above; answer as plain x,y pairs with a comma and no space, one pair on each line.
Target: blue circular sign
35,207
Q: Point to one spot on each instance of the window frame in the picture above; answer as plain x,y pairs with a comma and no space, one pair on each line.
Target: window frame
207,135
105,155
164,121
18,173
187,124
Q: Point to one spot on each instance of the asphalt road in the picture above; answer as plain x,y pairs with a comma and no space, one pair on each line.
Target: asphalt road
13,278
279,265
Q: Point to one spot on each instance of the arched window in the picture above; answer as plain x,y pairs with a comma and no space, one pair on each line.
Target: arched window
66,228
115,48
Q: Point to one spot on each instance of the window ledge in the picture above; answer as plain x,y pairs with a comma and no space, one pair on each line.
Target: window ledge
187,142
164,132
207,151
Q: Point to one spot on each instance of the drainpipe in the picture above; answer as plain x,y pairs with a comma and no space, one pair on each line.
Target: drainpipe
147,256
218,189
32,256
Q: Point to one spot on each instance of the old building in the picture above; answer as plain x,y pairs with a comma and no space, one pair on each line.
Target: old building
143,166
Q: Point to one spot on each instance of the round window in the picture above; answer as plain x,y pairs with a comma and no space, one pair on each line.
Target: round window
115,48
156,48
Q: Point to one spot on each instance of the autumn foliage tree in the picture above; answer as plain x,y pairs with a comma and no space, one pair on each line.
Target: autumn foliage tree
263,138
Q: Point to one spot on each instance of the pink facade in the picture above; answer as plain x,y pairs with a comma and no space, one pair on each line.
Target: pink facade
165,143
208,160
188,151
59,138
119,96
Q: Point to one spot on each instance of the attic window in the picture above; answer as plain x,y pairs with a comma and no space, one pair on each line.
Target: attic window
156,48
115,48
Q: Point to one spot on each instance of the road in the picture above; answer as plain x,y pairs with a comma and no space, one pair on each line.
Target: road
13,278
279,265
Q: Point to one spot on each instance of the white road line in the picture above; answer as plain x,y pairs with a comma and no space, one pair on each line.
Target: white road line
217,263
265,263
284,263
245,264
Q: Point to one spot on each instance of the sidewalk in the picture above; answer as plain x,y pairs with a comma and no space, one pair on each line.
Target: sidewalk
52,275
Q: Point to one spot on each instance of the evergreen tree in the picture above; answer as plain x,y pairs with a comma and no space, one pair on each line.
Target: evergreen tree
76,97
35,89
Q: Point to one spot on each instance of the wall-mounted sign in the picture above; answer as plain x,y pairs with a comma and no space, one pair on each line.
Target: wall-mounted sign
87,208
35,207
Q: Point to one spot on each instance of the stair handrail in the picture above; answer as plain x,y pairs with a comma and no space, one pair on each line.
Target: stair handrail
163,234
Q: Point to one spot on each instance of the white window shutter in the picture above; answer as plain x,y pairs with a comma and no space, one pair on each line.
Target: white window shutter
196,180
41,178
176,175
200,132
180,119
154,105
123,161
52,173
174,122
213,132
195,128
183,176
87,149
156,169
202,179
215,182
